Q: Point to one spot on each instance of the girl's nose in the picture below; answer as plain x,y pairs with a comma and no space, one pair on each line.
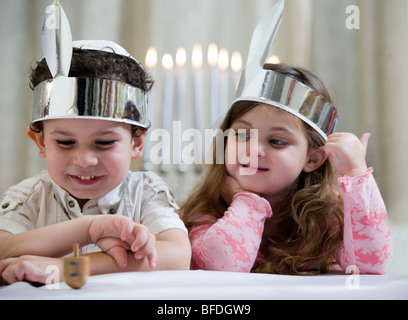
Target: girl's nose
261,151
85,158
256,148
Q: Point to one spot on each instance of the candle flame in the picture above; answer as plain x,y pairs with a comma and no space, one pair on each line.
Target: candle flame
197,58
181,57
167,61
273,59
151,58
212,55
223,59
236,62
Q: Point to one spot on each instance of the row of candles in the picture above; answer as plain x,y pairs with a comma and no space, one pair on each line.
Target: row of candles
212,87
221,82
196,96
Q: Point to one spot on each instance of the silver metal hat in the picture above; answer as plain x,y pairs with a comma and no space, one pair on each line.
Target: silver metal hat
63,97
276,89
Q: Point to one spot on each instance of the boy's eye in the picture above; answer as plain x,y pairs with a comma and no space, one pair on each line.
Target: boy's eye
65,142
104,143
101,143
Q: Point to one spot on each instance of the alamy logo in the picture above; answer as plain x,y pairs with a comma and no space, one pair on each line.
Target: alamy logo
353,20
51,19
190,147
353,280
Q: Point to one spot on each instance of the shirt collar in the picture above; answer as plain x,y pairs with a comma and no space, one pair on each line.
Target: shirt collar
107,204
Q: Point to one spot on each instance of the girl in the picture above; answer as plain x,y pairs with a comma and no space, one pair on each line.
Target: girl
284,214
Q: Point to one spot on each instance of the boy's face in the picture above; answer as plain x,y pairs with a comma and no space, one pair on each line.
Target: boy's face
88,158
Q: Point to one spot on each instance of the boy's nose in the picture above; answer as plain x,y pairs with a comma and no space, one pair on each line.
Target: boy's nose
85,158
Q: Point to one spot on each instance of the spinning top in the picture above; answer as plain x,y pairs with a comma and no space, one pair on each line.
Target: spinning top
76,269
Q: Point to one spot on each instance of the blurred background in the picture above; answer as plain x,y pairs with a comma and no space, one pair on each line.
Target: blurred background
357,47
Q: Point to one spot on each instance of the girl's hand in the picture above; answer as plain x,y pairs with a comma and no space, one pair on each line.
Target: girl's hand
348,153
230,189
31,268
118,234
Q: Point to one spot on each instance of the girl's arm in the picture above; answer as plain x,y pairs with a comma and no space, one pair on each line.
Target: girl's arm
367,237
367,241
232,242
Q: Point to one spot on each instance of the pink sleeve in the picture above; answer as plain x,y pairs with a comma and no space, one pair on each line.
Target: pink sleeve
232,242
367,240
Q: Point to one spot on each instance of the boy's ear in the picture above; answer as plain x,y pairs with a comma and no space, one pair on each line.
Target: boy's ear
316,158
38,138
138,144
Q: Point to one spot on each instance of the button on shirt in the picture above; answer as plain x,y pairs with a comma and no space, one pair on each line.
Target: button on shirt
38,202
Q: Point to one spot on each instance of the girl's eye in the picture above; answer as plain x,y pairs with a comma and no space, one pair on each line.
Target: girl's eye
243,136
279,143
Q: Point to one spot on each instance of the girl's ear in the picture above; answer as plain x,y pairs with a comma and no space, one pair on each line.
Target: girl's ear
138,144
38,138
316,158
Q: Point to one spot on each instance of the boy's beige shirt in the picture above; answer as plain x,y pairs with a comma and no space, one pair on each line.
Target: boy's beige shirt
38,202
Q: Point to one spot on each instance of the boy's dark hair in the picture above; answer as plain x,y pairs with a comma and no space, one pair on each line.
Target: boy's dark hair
98,65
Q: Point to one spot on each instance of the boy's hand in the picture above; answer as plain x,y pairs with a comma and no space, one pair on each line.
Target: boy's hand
30,268
117,234
348,153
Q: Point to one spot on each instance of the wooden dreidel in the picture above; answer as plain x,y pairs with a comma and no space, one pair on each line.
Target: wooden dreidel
76,269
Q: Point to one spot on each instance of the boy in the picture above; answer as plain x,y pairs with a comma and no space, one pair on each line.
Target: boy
88,126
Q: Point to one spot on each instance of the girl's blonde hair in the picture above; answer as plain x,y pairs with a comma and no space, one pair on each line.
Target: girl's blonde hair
309,220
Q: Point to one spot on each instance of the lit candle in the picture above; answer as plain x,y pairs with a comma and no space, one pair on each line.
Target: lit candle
151,63
167,105
181,110
181,58
212,62
236,66
197,62
223,64
273,59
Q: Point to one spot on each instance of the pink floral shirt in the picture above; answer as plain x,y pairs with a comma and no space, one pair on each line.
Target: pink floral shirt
232,242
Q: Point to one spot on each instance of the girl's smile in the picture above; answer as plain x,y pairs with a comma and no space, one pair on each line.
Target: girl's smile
253,169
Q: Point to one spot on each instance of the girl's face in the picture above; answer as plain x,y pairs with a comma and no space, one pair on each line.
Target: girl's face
88,158
281,151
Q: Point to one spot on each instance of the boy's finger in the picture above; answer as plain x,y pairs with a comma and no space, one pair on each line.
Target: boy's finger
119,255
152,257
147,248
142,236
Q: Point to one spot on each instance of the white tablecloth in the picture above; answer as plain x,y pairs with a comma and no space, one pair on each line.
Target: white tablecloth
210,285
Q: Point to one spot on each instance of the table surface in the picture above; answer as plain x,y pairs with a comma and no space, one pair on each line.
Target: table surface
212,285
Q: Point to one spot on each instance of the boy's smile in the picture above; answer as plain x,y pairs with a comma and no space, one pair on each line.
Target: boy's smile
88,158
86,180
